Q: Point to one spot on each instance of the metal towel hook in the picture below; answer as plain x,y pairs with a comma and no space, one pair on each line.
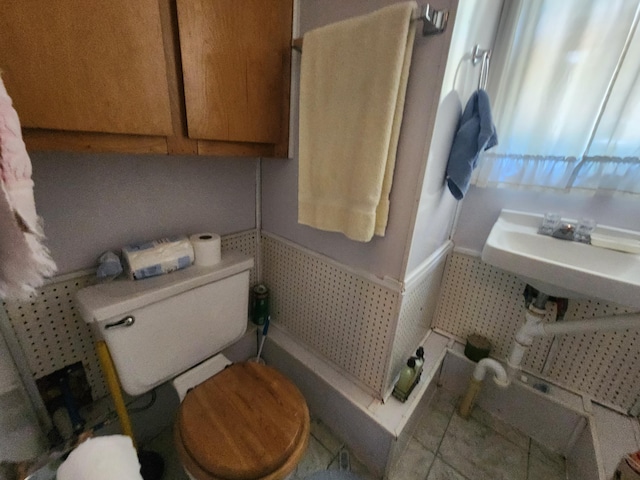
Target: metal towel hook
481,55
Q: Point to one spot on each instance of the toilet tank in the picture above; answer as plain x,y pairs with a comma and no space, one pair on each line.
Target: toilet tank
159,327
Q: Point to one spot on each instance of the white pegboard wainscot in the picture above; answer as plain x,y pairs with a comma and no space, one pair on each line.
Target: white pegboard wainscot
52,333
244,242
417,311
606,365
344,316
477,298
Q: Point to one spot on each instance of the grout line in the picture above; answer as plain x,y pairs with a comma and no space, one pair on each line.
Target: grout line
447,428
307,452
333,459
528,449
454,469
431,467
435,454
498,420
528,462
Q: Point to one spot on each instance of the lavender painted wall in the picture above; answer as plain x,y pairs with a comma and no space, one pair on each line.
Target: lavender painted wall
475,24
384,256
95,202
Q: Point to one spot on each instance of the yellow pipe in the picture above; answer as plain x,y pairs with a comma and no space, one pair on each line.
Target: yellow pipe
469,399
114,387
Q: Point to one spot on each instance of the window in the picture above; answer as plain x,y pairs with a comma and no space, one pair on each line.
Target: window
565,87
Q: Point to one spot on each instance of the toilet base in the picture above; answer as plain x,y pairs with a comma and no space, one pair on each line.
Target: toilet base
151,465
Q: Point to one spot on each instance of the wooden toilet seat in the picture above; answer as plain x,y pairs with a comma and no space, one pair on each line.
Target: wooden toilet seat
248,422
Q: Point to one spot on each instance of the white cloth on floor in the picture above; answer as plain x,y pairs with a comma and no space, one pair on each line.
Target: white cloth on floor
102,458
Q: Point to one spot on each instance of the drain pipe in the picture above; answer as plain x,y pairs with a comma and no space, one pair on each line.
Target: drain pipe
503,377
535,327
525,335
500,378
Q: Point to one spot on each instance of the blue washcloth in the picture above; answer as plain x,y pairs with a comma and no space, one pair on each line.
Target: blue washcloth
476,133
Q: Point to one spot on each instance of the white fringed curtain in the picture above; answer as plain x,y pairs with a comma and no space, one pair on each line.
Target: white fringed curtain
565,87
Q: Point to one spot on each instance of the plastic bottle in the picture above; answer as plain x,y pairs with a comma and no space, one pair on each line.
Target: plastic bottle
419,359
406,376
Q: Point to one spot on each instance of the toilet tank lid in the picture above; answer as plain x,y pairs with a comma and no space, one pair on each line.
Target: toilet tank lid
102,302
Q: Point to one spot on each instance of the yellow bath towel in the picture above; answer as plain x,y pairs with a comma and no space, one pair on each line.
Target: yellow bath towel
352,88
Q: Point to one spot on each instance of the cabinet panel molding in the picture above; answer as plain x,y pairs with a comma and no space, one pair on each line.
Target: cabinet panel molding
86,66
236,68
51,140
177,77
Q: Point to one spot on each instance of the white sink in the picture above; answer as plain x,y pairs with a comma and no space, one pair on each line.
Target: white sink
564,268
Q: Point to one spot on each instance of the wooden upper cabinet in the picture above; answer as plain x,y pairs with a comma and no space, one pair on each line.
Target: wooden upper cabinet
235,66
86,66
166,76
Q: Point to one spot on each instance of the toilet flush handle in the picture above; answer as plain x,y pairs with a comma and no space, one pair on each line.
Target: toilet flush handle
125,322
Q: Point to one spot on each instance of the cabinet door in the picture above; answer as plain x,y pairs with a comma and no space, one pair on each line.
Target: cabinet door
236,68
86,66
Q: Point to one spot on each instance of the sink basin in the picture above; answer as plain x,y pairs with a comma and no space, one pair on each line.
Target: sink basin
564,268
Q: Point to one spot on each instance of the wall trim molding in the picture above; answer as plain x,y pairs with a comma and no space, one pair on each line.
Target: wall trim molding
386,282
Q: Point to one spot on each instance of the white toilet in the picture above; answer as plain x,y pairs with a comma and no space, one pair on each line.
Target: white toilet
245,421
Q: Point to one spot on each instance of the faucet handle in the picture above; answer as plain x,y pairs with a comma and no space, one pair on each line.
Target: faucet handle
550,223
583,230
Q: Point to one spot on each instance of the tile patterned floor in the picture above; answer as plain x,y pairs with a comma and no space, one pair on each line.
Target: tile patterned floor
447,447
444,447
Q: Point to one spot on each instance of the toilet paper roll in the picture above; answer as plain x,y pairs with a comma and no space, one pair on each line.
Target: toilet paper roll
206,248
158,257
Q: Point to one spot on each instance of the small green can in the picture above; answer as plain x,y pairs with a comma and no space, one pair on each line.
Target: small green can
260,304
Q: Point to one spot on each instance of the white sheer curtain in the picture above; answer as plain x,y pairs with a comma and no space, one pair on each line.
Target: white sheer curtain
565,87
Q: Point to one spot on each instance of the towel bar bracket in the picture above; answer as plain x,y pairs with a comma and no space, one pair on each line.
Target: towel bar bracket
433,21
479,54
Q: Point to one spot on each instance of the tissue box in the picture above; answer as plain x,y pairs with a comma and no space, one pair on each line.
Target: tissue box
157,257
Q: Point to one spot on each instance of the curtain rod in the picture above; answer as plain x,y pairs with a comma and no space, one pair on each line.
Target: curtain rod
434,22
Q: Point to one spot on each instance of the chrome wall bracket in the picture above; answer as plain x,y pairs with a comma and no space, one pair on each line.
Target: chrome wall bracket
433,21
